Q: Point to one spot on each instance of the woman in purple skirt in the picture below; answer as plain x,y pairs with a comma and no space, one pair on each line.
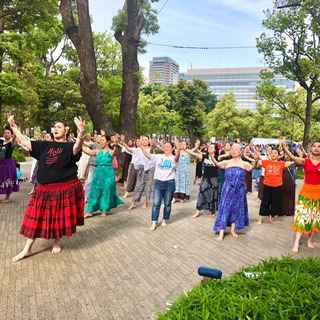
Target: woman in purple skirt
8,172
233,206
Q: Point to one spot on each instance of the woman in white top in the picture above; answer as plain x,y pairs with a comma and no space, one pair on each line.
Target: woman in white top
146,171
164,180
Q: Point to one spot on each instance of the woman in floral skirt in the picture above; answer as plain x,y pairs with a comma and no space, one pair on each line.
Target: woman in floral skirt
307,213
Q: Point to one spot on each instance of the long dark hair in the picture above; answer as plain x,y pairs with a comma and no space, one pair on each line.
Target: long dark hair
216,152
172,146
108,138
9,129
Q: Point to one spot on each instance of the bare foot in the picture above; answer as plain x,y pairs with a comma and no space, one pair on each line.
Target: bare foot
153,226
20,256
87,215
259,223
145,206
220,238
164,224
310,245
103,215
197,214
56,250
126,195
182,201
271,221
295,249
5,201
132,206
212,214
174,200
234,234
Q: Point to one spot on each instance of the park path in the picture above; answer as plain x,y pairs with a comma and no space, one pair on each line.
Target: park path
115,268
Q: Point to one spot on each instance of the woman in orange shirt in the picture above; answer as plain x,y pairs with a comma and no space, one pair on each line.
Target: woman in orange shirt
271,203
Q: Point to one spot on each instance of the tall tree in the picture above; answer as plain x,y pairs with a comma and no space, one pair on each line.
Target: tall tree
293,51
190,107
135,18
152,111
80,34
224,120
16,17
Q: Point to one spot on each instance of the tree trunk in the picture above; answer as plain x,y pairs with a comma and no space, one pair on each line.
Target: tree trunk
192,136
130,91
82,40
129,39
307,125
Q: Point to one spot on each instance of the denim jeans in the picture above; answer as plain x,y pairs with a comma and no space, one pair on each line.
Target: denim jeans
162,190
92,170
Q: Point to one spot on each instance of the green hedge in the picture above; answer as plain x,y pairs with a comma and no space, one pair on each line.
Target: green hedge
278,289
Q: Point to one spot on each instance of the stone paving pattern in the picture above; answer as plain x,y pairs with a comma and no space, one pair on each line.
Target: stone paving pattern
115,268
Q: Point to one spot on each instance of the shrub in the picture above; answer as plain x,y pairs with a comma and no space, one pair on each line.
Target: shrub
18,157
278,289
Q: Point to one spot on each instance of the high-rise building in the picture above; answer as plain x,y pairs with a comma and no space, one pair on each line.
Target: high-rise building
242,82
163,70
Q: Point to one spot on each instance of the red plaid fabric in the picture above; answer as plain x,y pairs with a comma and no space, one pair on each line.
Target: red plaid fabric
55,210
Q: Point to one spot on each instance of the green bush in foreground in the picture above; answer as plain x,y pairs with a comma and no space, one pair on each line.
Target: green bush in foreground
278,289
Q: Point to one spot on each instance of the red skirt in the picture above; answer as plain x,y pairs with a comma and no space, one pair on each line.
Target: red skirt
54,210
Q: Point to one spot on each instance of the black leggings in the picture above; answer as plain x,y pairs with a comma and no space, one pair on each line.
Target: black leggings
271,203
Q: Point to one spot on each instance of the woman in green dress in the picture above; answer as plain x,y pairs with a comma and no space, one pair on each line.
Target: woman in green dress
103,194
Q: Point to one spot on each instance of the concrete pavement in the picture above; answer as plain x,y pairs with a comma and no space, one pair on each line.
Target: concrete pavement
115,268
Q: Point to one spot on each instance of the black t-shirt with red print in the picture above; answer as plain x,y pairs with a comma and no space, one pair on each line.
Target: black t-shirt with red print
56,161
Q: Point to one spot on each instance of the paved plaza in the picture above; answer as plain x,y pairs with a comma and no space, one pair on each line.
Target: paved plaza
115,268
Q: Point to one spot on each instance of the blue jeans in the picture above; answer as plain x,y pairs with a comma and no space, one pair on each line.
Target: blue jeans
92,170
162,190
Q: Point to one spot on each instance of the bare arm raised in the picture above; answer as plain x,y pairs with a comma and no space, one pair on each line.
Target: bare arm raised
90,152
177,156
26,142
222,165
297,160
145,152
81,124
122,143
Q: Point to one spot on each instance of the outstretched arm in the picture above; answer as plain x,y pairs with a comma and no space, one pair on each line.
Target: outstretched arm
257,162
197,146
302,148
122,143
90,152
288,164
248,166
145,152
222,156
221,165
297,160
196,155
18,135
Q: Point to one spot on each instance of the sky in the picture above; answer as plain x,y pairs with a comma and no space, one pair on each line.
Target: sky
204,23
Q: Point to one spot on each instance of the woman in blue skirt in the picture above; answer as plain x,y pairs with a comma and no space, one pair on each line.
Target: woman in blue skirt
233,207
